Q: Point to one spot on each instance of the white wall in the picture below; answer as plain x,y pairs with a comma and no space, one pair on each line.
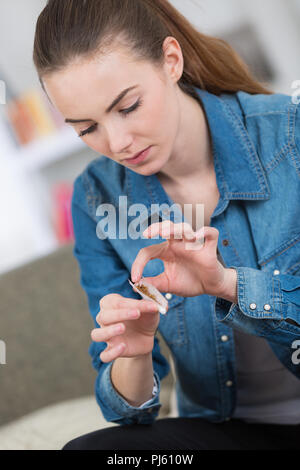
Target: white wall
211,15
278,25
17,26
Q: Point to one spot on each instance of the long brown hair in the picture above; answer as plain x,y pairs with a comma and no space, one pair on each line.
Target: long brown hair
70,29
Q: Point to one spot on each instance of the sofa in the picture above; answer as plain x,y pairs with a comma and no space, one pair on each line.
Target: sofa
47,382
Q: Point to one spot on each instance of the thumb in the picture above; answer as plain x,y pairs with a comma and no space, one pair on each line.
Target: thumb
160,282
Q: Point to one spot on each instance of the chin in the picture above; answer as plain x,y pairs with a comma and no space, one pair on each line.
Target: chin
145,172
150,169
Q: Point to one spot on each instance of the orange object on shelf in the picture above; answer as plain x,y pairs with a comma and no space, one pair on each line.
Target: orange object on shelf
31,117
40,113
21,122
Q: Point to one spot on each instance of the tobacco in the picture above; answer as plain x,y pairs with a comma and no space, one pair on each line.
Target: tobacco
146,292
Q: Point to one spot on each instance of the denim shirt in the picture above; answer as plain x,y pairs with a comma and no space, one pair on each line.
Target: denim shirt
256,150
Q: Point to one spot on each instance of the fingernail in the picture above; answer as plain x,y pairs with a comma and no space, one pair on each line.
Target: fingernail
162,310
118,329
133,314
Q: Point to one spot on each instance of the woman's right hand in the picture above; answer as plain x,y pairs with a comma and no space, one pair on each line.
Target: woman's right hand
128,327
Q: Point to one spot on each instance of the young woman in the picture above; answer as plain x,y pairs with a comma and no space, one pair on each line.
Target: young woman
135,75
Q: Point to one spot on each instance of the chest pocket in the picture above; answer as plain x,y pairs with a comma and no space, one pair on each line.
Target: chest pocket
285,259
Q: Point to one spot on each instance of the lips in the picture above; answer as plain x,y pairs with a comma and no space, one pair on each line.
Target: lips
138,154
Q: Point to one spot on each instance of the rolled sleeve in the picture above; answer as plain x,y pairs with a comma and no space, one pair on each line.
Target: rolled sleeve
261,296
123,412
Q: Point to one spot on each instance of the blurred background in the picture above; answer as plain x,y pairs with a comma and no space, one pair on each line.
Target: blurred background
42,306
40,157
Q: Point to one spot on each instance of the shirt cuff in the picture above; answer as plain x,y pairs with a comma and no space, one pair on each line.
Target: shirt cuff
261,295
144,413
258,296
154,393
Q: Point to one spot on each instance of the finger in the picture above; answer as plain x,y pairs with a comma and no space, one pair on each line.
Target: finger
144,256
182,231
210,236
108,317
109,300
110,354
119,309
101,335
161,282
167,229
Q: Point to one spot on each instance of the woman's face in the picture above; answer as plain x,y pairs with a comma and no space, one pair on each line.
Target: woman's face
147,115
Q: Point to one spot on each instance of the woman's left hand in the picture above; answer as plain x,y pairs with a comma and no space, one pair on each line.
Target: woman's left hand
191,266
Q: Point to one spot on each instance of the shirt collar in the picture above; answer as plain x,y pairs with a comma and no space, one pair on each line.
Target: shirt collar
239,171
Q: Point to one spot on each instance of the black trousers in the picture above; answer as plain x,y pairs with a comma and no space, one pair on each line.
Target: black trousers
191,434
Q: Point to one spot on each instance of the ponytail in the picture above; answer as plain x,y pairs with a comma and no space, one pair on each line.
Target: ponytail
70,29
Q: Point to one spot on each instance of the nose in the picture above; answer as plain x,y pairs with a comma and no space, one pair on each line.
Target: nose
119,140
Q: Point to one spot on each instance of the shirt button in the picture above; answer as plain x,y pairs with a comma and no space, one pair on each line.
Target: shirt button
224,338
267,307
276,272
149,410
225,242
227,419
169,296
228,383
253,306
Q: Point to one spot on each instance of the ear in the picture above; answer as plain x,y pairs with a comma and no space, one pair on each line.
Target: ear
174,61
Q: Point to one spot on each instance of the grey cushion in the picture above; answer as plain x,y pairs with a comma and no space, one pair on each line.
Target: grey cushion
46,325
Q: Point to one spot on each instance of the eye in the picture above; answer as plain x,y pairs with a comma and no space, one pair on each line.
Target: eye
88,131
124,112
127,111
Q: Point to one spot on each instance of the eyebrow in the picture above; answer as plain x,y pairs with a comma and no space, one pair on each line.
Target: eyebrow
109,109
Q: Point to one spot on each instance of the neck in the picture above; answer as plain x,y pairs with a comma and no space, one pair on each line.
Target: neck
192,154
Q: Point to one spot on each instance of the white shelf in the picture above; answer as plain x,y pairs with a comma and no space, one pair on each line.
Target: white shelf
28,231
39,154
